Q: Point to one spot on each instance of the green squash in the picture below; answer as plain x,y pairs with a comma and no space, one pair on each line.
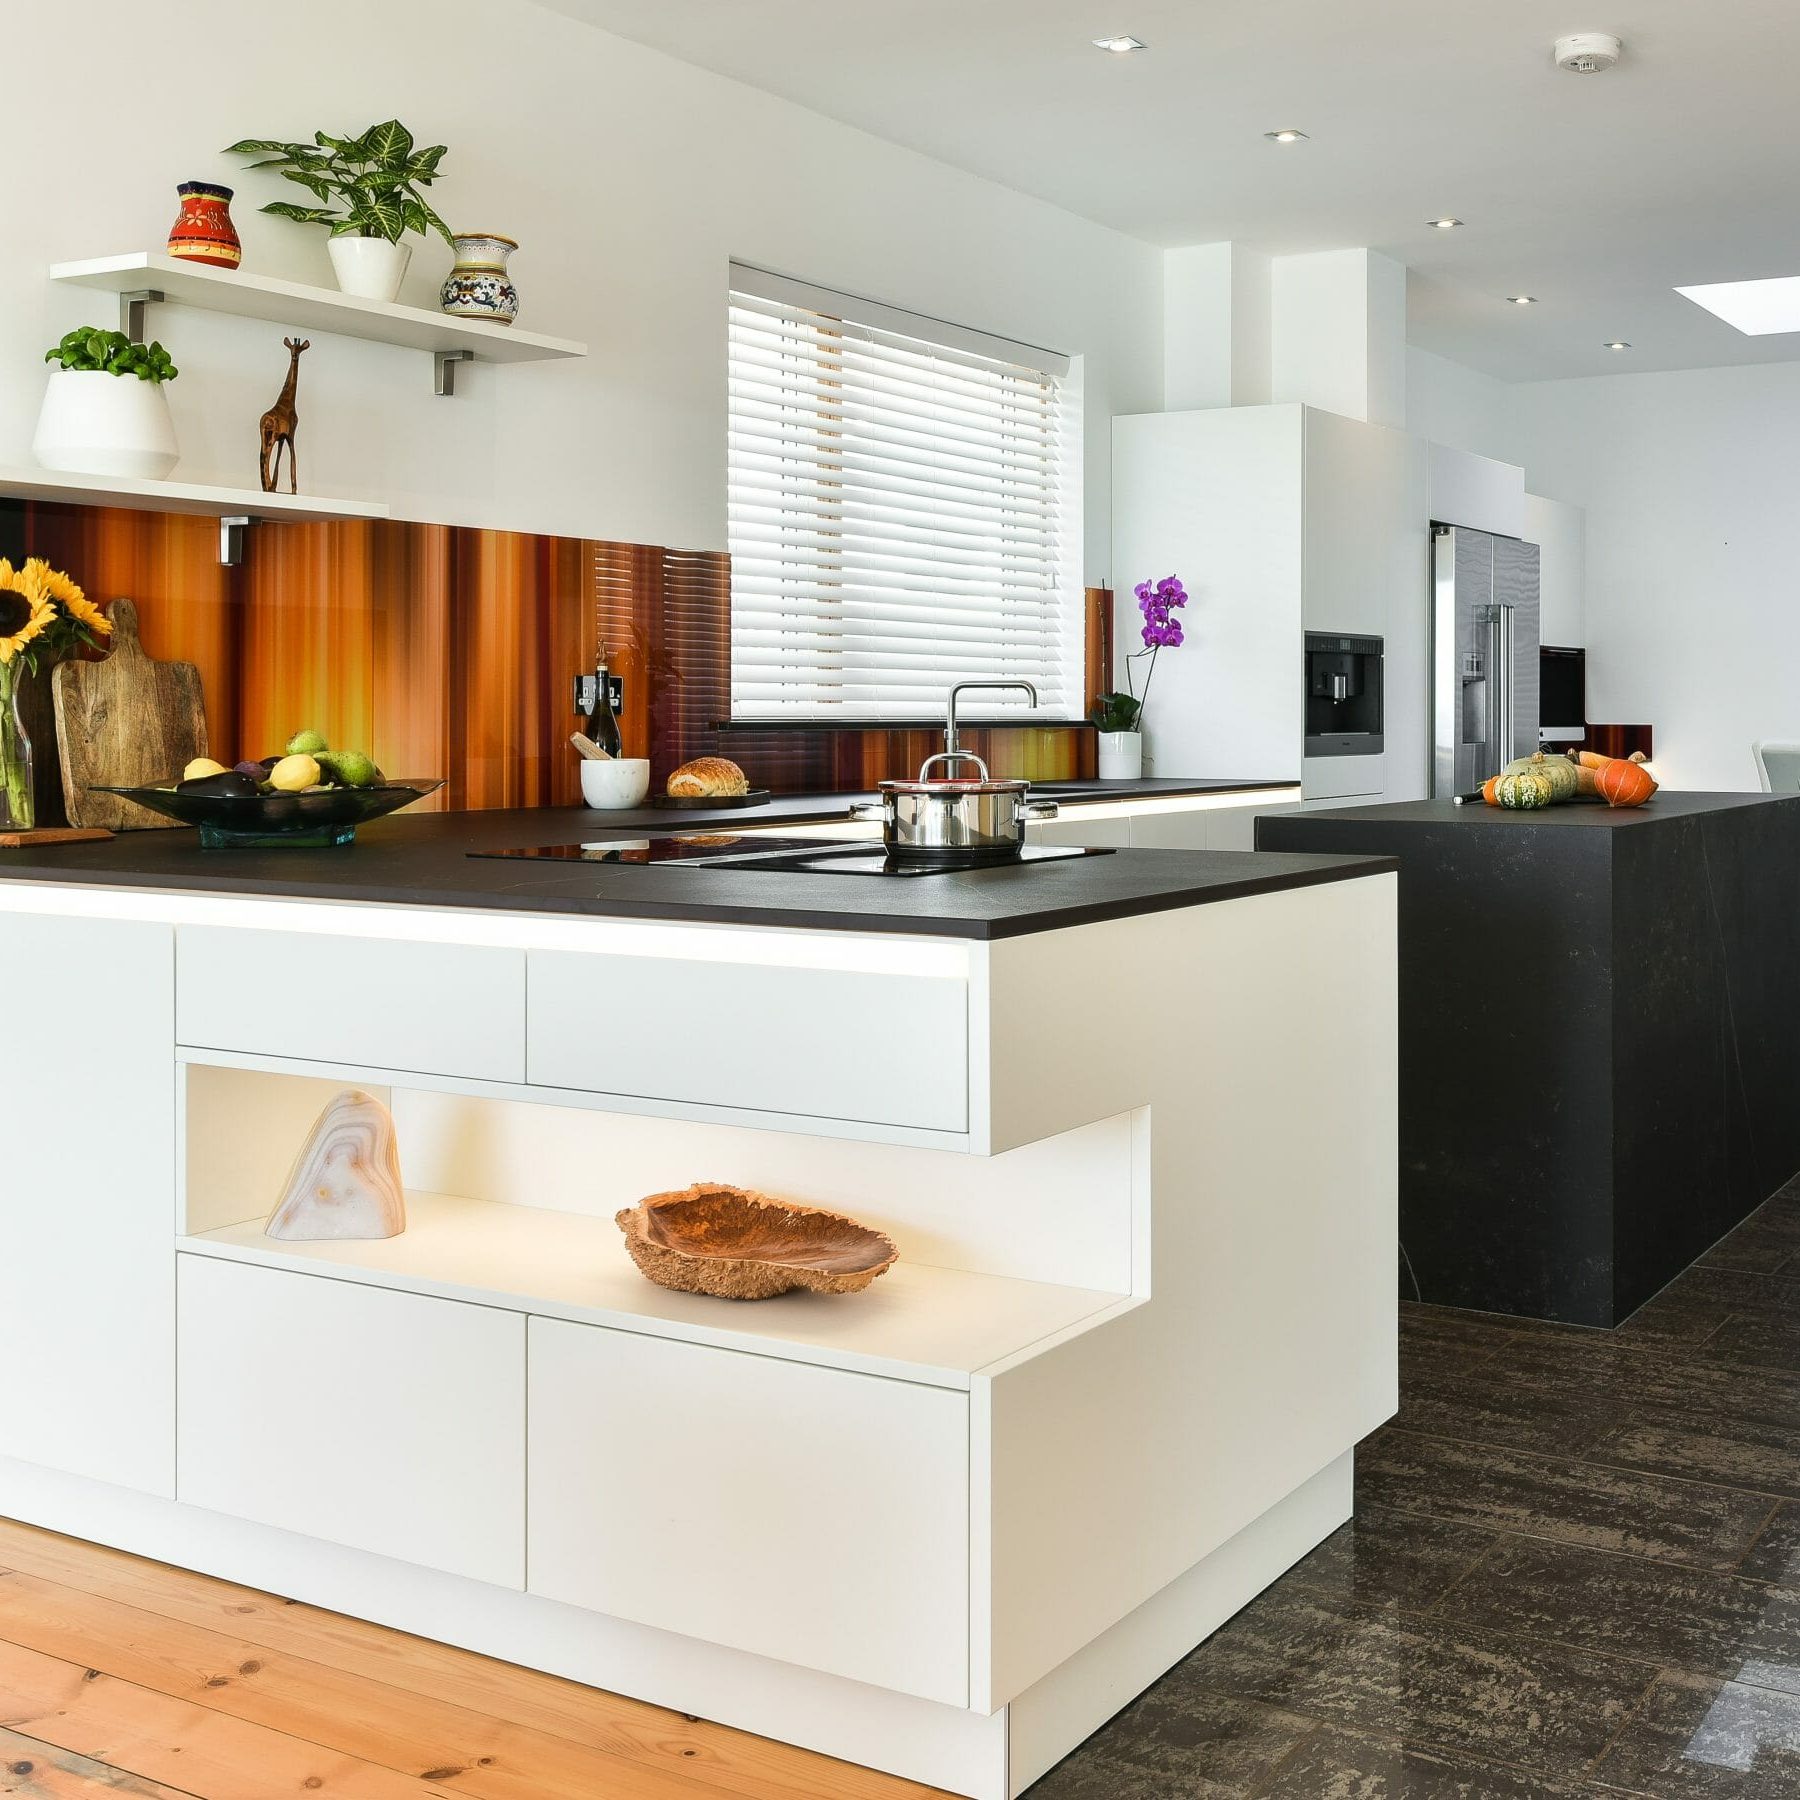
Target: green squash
1557,770
1526,791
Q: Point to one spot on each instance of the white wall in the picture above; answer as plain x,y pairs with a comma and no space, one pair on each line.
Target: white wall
630,180
1448,403
1337,334
1693,586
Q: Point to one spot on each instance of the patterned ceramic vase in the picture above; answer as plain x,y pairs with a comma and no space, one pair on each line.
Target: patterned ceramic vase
479,286
203,231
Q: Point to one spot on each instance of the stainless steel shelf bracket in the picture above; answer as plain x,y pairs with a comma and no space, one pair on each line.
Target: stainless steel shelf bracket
444,369
231,539
133,309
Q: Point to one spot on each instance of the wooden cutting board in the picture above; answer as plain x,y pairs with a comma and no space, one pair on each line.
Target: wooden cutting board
127,721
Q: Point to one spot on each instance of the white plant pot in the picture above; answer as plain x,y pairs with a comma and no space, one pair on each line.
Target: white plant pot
93,423
368,268
1121,755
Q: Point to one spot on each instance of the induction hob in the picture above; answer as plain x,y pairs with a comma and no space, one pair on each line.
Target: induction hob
777,855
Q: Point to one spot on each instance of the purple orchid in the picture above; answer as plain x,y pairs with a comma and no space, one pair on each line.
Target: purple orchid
1159,602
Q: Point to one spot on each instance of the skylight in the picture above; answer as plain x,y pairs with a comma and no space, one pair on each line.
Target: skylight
1754,307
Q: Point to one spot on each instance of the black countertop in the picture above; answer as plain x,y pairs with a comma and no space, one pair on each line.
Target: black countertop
1576,816
425,860
1598,1059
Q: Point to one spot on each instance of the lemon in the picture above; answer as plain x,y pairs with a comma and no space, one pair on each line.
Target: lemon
293,773
200,766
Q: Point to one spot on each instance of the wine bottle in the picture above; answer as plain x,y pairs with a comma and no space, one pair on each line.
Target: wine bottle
602,725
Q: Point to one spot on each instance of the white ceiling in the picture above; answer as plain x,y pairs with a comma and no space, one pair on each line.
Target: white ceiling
1599,194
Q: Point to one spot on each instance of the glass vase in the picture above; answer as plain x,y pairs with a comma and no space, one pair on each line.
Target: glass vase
16,810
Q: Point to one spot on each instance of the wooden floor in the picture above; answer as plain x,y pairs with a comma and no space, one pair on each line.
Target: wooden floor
125,1677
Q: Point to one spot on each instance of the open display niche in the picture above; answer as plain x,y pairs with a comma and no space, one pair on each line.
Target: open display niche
510,1204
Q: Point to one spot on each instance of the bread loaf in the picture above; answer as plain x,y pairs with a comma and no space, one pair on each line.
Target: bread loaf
707,777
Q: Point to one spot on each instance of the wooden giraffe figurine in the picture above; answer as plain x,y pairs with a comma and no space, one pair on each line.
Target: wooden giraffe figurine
278,425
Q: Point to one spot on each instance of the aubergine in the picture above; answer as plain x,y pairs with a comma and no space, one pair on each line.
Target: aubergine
232,785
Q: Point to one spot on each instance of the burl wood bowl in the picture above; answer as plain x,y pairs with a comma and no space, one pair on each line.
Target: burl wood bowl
739,1245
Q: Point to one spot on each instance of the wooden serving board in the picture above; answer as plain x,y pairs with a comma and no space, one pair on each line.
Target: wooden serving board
707,802
128,721
50,834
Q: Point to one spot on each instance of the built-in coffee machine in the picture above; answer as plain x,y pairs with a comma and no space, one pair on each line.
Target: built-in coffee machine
1343,695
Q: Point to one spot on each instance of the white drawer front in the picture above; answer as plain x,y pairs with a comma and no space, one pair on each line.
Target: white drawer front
388,1422
445,1009
887,1049
802,1513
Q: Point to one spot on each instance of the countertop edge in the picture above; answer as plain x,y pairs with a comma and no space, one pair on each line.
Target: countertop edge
1329,868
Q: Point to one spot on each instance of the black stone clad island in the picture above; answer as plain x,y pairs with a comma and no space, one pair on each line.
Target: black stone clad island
1599,1037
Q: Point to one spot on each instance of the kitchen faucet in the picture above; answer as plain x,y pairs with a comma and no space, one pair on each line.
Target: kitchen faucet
951,747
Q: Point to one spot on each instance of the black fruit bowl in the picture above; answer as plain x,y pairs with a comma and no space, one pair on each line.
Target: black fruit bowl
278,821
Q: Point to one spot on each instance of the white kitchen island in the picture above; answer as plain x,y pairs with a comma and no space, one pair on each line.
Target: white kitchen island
1130,1119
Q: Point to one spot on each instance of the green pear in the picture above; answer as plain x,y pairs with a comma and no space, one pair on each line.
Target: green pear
306,743
352,767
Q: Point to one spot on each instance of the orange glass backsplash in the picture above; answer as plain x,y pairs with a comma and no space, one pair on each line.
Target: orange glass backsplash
447,650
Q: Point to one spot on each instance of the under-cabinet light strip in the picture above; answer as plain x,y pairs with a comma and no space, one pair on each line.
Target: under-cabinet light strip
767,946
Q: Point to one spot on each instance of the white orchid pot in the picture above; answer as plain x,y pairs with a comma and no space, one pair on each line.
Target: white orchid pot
1121,755
95,423
368,268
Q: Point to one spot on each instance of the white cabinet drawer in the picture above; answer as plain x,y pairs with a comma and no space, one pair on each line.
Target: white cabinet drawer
796,1512
389,1422
882,1048
443,1009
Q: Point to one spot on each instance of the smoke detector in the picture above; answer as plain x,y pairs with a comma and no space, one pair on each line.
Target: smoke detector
1587,52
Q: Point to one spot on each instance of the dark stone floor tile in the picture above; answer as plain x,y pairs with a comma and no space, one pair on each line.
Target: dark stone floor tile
1708,1289
1584,1503
1702,1443
1478,1401
1336,1766
1537,1706
1658,1613
1194,1745
1708,1740
1775,1556
1767,1242
1759,1341
1679,1320
1622,1377
1388,1559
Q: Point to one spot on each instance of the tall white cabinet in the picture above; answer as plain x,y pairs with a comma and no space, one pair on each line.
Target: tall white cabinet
1281,520
87,1200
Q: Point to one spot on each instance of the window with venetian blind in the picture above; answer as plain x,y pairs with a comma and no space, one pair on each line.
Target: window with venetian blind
904,512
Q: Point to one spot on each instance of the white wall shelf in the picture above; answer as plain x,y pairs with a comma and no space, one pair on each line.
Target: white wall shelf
233,507
146,276
916,1323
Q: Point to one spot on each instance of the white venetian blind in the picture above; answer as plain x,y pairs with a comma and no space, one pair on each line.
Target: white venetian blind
903,498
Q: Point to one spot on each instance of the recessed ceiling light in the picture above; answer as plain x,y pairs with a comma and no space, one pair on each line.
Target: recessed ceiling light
1756,308
1120,46
1617,344
1522,299
1285,136
1443,224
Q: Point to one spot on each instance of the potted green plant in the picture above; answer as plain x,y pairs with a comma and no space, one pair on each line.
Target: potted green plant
104,411
368,192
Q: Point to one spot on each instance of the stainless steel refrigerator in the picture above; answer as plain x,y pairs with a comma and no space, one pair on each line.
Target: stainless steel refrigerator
1484,656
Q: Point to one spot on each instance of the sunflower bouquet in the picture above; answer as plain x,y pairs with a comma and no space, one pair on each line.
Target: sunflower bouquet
44,618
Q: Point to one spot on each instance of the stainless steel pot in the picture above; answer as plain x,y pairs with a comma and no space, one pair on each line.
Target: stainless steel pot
951,820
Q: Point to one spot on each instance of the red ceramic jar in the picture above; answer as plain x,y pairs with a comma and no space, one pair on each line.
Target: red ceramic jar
203,231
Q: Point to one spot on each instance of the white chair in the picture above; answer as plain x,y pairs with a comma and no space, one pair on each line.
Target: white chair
1778,767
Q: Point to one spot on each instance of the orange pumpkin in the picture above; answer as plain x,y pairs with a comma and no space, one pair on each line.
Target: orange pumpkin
1488,792
1624,783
